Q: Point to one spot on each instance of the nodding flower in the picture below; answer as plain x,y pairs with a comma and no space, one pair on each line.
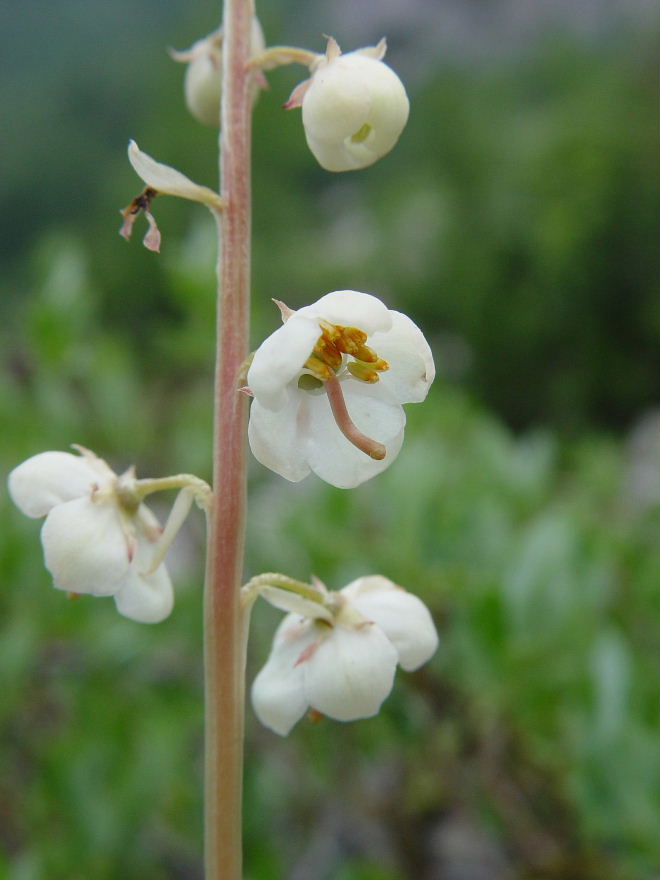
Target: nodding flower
328,388
337,656
98,536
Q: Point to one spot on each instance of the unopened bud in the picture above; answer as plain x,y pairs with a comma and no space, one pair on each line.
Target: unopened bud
354,109
203,81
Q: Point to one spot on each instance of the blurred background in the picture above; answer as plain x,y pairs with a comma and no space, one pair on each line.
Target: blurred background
516,222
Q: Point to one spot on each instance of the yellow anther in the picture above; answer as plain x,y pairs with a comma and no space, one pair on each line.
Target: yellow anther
366,354
327,351
330,331
318,368
362,371
353,334
333,344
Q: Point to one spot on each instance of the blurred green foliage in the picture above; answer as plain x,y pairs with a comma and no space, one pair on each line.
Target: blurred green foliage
531,731
515,222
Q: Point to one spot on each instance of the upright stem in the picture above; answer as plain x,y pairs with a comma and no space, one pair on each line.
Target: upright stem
224,642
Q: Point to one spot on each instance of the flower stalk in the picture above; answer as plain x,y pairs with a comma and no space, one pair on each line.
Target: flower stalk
224,637
255,585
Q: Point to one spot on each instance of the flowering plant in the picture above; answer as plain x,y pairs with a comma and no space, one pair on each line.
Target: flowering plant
327,390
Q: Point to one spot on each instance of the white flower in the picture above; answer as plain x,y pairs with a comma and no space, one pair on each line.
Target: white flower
354,107
202,84
338,656
328,387
97,537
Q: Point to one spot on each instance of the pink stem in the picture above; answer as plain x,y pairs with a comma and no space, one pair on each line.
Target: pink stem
224,642
365,444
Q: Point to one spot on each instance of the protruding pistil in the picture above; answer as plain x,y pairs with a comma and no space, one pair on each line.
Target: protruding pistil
349,429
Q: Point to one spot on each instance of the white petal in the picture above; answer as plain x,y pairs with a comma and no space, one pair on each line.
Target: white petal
351,308
330,455
50,478
389,107
145,598
280,358
285,600
334,156
408,353
350,673
84,547
403,618
337,103
347,155
278,694
167,180
366,584
275,437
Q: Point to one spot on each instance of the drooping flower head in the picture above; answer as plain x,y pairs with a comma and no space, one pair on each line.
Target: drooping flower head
328,388
338,655
98,537
354,107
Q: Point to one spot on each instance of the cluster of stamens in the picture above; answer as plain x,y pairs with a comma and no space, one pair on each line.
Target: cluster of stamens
336,341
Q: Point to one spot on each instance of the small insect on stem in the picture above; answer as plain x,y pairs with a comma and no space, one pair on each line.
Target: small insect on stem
141,204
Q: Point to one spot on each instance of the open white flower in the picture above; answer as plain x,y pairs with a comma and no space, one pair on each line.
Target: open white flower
328,387
354,107
338,656
98,537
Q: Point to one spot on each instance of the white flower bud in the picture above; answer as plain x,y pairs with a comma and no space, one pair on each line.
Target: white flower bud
354,109
202,85
202,82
